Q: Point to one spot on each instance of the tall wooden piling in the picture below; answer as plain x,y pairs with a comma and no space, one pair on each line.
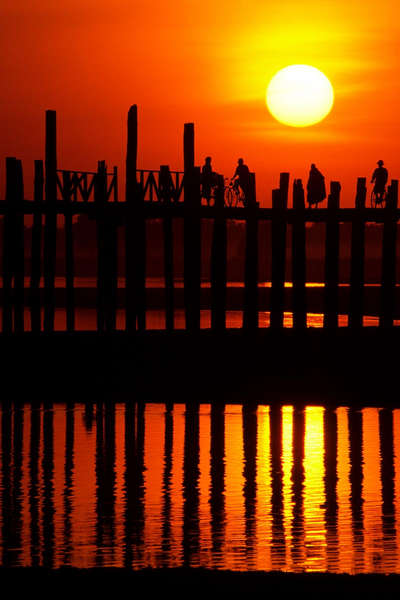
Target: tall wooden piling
192,233
356,305
19,259
9,244
331,291
135,235
69,253
278,230
219,262
50,229
36,250
100,198
250,308
388,281
299,257
284,188
165,192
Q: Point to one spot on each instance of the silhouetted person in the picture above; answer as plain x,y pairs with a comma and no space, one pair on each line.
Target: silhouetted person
316,191
242,180
380,177
207,180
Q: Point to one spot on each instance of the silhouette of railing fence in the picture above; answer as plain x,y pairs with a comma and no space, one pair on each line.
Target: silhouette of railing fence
168,195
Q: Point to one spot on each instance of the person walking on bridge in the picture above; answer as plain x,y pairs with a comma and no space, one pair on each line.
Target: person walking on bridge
316,191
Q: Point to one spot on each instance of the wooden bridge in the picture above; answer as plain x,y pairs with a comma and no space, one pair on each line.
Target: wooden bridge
170,195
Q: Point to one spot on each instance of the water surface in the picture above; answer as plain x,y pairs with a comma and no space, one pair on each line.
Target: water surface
227,487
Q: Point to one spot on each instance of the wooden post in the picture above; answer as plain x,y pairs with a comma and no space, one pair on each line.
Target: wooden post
36,252
9,244
299,257
165,187
250,309
192,233
69,253
331,295
188,146
284,188
50,230
356,308
389,257
278,231
19,258
219,262
135,235
100,198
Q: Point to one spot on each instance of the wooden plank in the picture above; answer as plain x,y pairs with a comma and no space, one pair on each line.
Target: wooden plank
388,281
356,306
165,183
192,249
111,259
299,258
36,251
50,229
331,291
219,262
250,308
19,258
135,235
278,235
69,253
9,244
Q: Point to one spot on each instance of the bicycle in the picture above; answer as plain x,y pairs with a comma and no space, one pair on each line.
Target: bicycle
378,200
233,193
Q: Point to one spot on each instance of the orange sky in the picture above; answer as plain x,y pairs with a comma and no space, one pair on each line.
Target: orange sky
207,62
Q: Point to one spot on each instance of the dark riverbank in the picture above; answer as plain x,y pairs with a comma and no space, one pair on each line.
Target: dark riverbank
339,367
86,297
186,582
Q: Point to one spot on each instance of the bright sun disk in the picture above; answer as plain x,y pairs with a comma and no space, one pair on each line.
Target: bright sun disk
299,96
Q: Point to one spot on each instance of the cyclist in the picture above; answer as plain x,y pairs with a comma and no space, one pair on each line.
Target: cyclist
241,179
380,177
316,191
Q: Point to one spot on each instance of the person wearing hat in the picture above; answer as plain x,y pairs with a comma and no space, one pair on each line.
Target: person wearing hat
380,177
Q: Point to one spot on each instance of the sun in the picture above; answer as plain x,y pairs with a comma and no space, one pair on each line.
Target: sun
300,96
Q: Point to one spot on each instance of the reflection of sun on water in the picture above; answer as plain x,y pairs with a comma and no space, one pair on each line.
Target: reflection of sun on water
314,497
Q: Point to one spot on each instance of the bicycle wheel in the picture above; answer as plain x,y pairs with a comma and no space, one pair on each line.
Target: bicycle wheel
229,197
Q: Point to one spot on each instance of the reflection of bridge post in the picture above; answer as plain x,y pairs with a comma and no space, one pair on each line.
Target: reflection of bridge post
99,482
167,475
331,478
109,473
134,483
48,485
7,516
249,421
68,474
129,491
18,421
298,484
387,481
34,483
217,498
278,549
191,474
356,478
